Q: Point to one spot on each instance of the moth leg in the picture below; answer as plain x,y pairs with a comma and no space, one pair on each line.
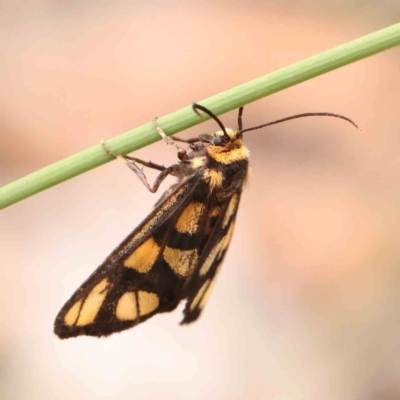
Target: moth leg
204,137
170,140
131,163
123,158
163,174
148,164
178,139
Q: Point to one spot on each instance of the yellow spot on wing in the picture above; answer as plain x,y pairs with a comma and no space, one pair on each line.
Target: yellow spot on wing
181,261
92,304
188,221
217,251
231,210
166,205
206,295
213,177
215,212
148,302
72,315
143,258
211,257
127,307
227,238
199,295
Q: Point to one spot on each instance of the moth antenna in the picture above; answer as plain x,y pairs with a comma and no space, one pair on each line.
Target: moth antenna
197,107
315,114
240,125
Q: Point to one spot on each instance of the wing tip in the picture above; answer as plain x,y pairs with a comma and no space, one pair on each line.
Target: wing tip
190,316
63,331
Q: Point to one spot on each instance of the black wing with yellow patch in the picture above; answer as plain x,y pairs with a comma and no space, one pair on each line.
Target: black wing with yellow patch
141,277
149,272
203,277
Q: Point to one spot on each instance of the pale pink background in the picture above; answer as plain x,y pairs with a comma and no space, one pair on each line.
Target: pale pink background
307,305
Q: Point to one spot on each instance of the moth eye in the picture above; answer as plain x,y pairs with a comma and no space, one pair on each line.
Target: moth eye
219,140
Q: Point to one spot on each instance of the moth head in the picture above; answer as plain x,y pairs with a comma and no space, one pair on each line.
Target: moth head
225,137
228,138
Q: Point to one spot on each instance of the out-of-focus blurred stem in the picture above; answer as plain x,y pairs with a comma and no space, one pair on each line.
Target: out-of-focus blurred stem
185,117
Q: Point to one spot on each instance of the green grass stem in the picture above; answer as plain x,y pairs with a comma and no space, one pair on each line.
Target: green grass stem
185,118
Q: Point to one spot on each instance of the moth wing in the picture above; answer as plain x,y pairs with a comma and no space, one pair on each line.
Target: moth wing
210,261
144,275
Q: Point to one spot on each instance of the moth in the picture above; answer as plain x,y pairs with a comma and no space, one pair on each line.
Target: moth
177,251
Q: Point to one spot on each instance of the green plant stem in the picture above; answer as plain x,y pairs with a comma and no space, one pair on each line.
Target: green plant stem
185,118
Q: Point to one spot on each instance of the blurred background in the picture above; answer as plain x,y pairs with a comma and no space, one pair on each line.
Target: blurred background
307,305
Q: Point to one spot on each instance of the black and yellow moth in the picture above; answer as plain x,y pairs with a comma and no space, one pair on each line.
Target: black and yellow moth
176,252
